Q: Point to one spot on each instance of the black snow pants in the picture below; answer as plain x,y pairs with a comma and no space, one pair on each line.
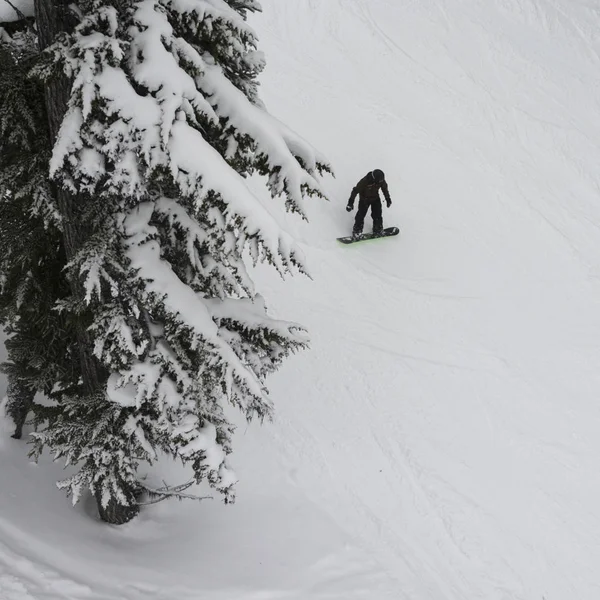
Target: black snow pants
363,208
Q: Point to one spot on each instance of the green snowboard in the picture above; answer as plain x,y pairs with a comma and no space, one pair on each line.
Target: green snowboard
350,239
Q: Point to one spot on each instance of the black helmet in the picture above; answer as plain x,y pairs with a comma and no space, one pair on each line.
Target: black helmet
378,175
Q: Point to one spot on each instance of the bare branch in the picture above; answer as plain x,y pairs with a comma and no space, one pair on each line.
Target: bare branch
178,496
167,491
17,10
21,16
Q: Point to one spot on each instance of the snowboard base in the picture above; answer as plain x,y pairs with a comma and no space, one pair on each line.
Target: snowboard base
350,239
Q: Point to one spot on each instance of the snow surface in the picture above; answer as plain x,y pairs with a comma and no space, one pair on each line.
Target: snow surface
440,440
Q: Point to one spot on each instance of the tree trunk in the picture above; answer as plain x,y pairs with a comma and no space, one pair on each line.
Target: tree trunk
115,513
20,401
54,17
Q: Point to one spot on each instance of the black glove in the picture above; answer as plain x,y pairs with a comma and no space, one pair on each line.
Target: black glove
349,206
389,203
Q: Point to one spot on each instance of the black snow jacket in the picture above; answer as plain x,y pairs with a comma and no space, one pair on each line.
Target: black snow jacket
368,189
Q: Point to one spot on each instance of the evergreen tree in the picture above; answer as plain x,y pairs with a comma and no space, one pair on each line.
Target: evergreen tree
31,255
163,125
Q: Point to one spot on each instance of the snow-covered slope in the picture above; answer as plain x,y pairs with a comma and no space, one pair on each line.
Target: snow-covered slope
440,441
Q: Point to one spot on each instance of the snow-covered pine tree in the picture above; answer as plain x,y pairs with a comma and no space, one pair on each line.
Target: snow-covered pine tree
163,126
31,255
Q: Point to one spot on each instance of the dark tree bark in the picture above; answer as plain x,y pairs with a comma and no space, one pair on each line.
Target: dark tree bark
20,401
115,513
6,61
54,17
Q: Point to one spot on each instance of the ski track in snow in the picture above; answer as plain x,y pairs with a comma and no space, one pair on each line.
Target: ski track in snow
459,430
440,439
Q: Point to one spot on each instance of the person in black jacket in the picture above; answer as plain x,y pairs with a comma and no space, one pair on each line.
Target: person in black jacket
367,190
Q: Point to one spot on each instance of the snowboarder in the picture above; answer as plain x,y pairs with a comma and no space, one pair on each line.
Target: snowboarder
367,190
